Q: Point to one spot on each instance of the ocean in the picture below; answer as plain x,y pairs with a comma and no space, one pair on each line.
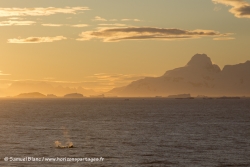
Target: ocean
149,132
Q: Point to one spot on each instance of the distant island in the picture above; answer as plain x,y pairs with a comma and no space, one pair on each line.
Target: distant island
180,96
78,95
31,95
74,95
40,95
225,97
44,87
51,96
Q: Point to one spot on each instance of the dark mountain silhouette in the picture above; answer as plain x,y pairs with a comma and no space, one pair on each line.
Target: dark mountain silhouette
73,95
199,76
31,95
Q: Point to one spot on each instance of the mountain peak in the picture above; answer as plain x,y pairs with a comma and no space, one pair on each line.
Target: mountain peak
200,60
198,77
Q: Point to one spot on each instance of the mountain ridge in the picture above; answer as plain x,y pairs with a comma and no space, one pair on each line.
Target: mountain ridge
198,77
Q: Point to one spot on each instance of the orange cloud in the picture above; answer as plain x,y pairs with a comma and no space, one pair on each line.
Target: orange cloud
223,38
136,20
98,18
80,25
59,25
240,8
116,25
145,33
9,12
52,25
16,23
36,39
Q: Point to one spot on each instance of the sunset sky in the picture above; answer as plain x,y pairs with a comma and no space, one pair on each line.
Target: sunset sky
102,44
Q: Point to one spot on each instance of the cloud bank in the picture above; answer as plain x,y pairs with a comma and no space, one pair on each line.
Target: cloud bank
36,39
240,8
9,12
145,33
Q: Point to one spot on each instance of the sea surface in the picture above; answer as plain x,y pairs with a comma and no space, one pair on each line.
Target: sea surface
146,132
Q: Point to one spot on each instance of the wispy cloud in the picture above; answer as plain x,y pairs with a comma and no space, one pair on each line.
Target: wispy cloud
98,18
9,12
28,23
118,77
137,20
60,25
109,81
16,23
52,25
36,39
116,25
99,82
113,20
15,18
80,25
223,38
1,73
240,8
146,33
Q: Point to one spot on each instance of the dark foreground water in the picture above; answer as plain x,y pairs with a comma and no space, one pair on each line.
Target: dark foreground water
138,132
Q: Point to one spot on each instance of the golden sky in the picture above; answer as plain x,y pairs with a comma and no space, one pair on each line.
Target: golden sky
104,44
